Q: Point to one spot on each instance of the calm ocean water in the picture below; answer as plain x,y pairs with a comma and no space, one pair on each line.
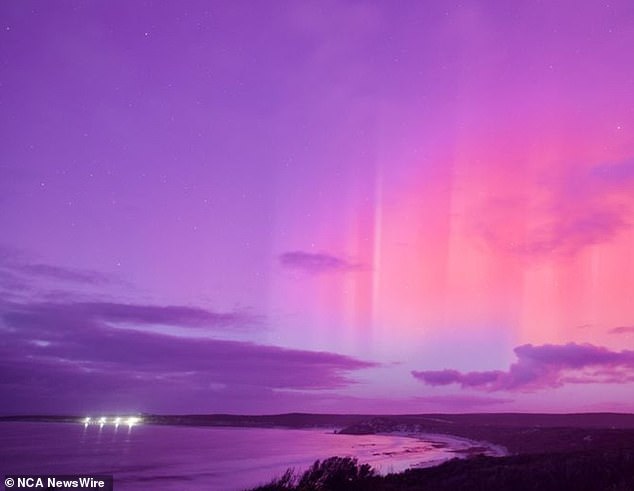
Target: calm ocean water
193,458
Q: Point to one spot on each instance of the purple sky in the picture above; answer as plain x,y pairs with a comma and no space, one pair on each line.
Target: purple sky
329,206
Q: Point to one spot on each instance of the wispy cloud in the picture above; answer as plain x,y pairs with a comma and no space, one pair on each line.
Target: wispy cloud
622,330
615,173
63,274
17,264
539,367
573,210
316,262
77,313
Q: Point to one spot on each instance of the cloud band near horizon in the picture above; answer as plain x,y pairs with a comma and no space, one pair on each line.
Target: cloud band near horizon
540,367
52,350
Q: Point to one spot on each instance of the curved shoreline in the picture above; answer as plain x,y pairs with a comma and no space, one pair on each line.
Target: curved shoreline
459,446
491,449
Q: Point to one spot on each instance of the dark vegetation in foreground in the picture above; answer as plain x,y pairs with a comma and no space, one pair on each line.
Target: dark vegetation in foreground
608,470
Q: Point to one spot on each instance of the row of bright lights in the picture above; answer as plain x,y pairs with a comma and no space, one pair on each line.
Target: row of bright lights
131,421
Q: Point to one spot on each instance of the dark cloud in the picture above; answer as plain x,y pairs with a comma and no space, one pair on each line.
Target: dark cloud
316,262
543,366
51,353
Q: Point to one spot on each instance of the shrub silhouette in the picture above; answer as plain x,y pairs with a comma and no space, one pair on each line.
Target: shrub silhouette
332,474
596,470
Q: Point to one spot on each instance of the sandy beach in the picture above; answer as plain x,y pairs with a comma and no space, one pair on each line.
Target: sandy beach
398,451
445,446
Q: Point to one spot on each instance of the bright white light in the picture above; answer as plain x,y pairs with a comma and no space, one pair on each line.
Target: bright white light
116,421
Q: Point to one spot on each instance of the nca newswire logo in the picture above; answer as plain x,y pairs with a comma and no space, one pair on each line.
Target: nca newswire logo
47,482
